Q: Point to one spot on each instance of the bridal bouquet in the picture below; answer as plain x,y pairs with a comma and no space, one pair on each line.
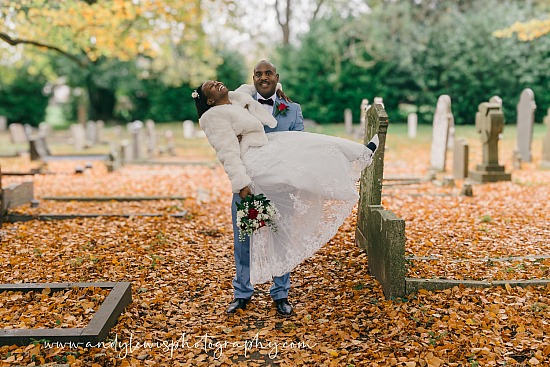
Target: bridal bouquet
255,212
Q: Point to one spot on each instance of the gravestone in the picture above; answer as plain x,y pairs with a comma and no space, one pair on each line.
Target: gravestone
442,122
496,99
91,133
170,144
545,163
44,129
348,121
3,123
360,130
126,152
100,126
380,232
151,136
16,194
17,133
117,131
79,137
188,129
460,159
379,100
138,151
412,125
525,120
38,149
490,124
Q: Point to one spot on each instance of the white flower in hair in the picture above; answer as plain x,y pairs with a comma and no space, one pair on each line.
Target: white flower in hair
195,94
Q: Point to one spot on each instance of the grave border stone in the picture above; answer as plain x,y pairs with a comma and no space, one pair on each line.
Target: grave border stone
98,327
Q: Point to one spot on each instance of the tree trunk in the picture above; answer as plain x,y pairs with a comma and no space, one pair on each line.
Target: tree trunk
102,101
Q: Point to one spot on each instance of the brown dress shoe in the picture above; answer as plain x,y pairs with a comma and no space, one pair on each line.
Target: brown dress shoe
237,304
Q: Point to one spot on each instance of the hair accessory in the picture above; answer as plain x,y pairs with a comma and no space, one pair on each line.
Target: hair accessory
195,95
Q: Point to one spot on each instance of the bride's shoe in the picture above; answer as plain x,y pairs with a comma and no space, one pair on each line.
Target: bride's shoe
373,143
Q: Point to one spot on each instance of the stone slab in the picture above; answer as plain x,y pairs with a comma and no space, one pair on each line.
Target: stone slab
112,198
96,330
12,218
17,194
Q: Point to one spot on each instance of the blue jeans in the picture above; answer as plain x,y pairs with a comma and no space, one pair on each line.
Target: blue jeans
241,282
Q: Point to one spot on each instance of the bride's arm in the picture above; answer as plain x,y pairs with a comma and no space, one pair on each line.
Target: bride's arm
222,137
254,107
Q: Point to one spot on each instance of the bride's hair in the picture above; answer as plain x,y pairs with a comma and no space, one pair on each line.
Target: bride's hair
200,100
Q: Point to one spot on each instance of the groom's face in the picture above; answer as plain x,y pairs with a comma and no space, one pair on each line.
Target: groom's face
265,79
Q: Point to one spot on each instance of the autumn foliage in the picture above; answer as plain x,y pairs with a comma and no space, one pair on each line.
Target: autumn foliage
181,272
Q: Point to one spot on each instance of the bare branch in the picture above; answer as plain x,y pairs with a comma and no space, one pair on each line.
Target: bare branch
317,8
15,41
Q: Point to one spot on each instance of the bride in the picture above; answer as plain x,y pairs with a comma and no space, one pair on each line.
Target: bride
310,178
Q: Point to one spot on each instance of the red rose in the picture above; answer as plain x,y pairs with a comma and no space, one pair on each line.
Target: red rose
281,107
252,213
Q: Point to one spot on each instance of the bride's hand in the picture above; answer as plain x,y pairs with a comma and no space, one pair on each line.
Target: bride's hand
282,95
245,191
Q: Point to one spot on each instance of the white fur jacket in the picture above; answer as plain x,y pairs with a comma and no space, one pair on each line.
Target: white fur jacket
221,124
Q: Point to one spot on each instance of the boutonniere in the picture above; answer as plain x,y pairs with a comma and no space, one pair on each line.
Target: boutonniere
280,109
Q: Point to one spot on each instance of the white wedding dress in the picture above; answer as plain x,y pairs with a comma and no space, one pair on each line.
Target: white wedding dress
311,179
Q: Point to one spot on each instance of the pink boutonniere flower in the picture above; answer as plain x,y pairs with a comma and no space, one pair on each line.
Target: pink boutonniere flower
280,109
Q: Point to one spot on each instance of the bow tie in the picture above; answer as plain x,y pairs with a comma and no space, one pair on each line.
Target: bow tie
266,101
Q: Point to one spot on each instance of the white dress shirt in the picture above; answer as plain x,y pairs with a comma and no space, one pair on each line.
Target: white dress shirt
266,106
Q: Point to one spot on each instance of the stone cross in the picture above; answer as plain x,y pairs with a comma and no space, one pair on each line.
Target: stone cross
525,120
489,124
546,142
443,120
348,121
412,125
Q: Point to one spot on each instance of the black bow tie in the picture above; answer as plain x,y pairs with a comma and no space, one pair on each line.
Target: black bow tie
266,101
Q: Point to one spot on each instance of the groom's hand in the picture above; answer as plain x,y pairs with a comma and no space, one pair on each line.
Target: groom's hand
245,191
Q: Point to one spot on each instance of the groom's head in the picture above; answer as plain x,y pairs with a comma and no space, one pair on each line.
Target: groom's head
265,78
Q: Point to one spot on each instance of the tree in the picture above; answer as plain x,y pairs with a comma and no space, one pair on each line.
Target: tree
168,34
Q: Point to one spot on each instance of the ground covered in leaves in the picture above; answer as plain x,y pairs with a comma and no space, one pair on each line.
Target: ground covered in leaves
181,271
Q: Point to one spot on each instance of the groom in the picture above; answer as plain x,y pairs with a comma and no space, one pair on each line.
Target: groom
289,118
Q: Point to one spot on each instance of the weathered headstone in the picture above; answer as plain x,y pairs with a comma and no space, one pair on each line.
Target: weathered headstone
79,136
460,159
489,123
170,144
545,163
137,140
44,129
442,121
17,133
151,135
91,132
412,125
126,152
525,120
496,99
16,194
38,149
3,123
100,126
117,131
360,130
188,129
348,121
379,100
380,232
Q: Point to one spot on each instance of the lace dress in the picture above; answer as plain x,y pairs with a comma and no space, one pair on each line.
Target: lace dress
311,179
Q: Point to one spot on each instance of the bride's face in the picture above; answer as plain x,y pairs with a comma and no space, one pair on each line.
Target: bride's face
214,91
